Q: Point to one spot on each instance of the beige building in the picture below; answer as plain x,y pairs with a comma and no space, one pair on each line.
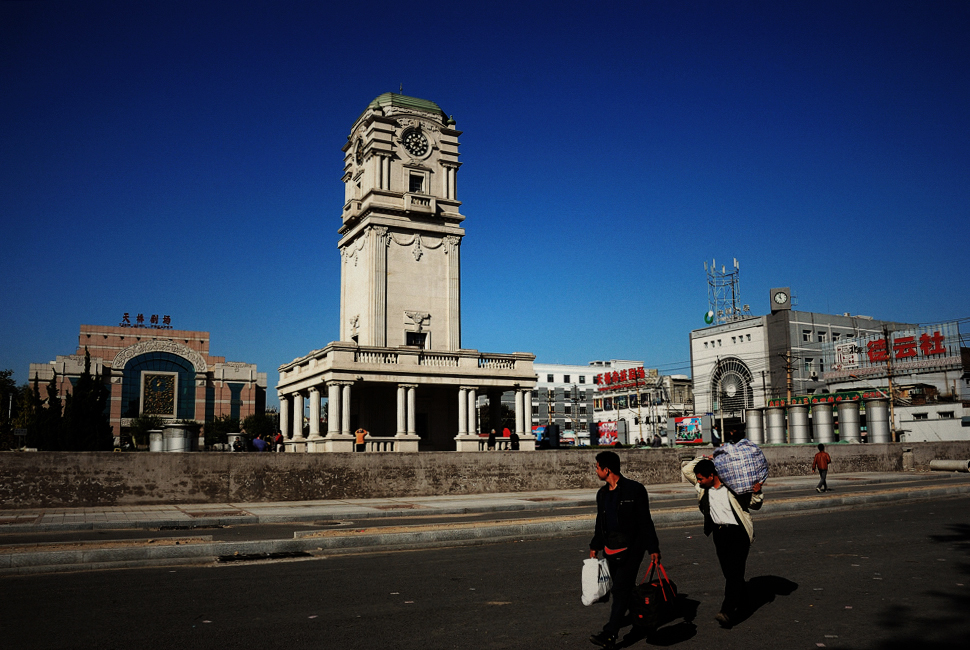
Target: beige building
399,369
157,370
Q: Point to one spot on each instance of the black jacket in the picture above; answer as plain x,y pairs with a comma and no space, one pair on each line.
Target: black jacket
635,523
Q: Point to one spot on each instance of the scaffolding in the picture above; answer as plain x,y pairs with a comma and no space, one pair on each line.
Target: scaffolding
724,294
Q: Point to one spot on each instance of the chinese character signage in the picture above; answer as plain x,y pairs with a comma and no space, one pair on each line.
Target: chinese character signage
154,321
620,378
929,348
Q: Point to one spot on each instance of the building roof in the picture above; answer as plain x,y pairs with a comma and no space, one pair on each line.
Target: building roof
403,101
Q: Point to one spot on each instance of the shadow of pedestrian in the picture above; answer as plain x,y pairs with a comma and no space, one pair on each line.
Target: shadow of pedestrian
763,590
667,635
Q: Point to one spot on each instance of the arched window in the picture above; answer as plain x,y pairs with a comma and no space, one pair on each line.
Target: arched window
731,385
168,365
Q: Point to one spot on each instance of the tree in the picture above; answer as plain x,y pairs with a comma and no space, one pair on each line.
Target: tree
217,431
87,427
8,394
141,425
49,422
259,424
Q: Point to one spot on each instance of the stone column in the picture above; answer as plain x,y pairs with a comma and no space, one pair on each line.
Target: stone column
401,411
406,439
467,438
338,437
527,441
412,425
314,442
379,240
333,409
462,412
345,411
298,417
452,246
285,415
472,412
519,419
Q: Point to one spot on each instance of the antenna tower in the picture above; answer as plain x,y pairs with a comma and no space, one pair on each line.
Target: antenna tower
724,293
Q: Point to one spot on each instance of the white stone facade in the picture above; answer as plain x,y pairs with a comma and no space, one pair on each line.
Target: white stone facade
399,370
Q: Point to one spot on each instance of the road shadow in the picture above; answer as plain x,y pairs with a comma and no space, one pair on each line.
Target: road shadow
763,590
941,627
684,611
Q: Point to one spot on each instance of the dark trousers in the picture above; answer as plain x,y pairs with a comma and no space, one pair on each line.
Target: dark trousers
624,570
732,545
822,485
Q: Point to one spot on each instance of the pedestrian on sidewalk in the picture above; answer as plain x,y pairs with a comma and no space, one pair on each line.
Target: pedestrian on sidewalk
624,532
491,441
361,443
259,443
821,462
514,441
728,520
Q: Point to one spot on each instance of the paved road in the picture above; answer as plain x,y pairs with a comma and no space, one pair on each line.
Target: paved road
895,576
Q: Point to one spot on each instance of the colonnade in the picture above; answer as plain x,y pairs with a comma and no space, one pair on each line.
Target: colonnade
339,436
771,425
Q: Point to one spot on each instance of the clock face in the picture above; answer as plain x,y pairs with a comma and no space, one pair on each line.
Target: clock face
781,297
359,153
415,142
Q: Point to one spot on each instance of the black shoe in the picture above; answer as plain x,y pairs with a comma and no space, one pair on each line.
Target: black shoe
723,619
604,640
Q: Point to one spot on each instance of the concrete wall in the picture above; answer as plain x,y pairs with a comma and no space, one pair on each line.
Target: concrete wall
63,479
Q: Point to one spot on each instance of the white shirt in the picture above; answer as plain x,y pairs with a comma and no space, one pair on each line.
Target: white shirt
721,511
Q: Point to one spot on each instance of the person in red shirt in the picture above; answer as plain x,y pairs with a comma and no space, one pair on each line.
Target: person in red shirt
821,462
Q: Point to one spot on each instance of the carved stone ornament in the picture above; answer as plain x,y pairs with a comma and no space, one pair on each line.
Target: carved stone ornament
129,353
405,122
355,324
418,243
419,319
349,252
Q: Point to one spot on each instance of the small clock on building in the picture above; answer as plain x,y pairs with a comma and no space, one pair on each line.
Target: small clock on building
781,297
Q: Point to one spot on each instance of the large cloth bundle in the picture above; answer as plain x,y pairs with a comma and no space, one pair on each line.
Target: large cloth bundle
740,465
596,581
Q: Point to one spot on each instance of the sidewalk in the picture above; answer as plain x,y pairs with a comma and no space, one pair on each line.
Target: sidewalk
59,539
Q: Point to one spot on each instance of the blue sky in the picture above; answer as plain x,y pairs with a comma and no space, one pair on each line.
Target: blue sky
183,158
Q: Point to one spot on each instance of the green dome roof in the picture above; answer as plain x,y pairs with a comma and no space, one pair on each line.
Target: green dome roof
393,99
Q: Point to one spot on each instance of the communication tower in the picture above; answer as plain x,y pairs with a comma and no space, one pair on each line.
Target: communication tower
724,294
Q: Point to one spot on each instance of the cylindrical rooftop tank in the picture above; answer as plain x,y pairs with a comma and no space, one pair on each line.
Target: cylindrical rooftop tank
849,421
823,422
776,425
798,425
756,426
877,420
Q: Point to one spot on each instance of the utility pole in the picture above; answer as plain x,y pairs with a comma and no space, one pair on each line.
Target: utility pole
636,383
889,375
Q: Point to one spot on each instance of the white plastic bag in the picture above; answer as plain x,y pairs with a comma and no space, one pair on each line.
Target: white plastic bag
596,580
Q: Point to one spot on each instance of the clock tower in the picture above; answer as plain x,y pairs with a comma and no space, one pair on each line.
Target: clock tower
401,229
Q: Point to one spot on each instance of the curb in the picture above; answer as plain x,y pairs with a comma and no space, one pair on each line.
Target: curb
322,543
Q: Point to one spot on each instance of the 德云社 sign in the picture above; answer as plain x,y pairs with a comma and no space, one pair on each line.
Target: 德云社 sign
936,347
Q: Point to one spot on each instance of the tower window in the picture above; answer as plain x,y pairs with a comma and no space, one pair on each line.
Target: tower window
417,339
416,183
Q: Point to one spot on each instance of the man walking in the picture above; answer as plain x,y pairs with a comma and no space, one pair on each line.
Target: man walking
821,462
726,517
624,533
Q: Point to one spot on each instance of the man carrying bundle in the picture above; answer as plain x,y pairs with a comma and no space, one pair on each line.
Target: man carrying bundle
728,487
